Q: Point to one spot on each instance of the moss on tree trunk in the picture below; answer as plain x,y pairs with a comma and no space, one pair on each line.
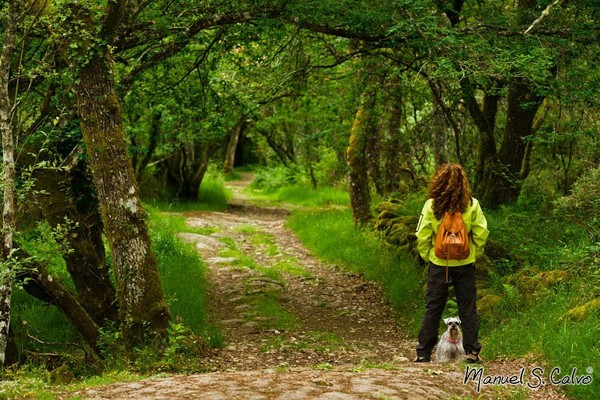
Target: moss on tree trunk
360,198
140,294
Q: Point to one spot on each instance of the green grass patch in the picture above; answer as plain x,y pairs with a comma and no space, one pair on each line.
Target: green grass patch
177,223
247,261
246,228
292,267
307,196
543,329
183,275
213,192
267,309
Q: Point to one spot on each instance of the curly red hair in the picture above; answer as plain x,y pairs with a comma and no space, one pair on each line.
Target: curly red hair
449,188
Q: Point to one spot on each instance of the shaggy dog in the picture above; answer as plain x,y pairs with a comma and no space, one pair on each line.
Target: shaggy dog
450,348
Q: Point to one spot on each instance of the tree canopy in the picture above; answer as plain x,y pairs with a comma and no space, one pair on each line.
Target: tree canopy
108,102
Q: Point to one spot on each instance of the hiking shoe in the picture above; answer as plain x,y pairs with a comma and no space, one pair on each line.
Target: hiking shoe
472,358
422,359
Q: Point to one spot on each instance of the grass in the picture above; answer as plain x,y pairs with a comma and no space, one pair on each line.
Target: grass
308,197
267,309
213,192
541,329
183,276
535,320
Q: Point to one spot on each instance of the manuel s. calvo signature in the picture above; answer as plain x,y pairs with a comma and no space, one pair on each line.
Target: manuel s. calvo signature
535,379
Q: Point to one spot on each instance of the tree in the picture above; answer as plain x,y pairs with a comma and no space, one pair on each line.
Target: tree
360,198
8,178
141,297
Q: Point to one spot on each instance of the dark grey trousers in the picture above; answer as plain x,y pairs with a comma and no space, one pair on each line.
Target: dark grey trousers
463,279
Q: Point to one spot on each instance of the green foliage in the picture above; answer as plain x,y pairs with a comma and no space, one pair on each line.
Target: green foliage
273,178
542,329
178,351
213,192
538,191
307,196
288,186
583,204
47,245
24,382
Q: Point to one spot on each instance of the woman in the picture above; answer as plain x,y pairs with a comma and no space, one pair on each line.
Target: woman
449,191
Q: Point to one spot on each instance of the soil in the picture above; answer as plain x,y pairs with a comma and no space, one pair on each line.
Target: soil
299,328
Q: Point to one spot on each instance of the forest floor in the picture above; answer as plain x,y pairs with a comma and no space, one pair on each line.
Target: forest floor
298,328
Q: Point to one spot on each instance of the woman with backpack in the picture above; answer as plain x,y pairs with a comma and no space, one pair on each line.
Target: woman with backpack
441,234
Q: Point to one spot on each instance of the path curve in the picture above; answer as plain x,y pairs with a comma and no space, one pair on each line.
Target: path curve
297,328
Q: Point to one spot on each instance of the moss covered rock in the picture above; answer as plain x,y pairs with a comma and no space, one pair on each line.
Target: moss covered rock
552,278
386,214
488,305
391,206
585,311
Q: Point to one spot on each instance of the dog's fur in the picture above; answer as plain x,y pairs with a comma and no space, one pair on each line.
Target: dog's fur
450,348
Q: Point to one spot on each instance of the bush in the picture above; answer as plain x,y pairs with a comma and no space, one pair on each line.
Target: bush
273,178
583,204
538,192
212,190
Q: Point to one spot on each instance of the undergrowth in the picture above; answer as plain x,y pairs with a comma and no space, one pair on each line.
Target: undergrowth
183,277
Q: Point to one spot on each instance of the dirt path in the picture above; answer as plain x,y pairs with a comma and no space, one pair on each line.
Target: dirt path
297,328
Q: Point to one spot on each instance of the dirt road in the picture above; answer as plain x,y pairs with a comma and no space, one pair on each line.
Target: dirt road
297,328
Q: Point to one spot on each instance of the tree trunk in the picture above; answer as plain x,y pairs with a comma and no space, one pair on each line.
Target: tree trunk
360,198
526,167
485,121
502,183
373,152
153,141
8,180
236,132
200,171
141,297
439,129
392,144
86,263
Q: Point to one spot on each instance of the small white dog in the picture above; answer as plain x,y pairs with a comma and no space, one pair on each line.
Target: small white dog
450,348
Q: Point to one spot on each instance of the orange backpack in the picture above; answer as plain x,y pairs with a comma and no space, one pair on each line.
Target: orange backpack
452,240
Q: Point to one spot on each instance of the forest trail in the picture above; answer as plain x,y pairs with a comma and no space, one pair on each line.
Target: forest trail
297,328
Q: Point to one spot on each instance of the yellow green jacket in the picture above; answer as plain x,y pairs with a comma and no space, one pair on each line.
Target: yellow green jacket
428,227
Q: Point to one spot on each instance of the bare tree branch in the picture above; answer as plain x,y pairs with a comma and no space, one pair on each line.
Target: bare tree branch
544,14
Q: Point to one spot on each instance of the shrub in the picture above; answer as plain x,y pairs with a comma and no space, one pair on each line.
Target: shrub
273,178
583,204
212,190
